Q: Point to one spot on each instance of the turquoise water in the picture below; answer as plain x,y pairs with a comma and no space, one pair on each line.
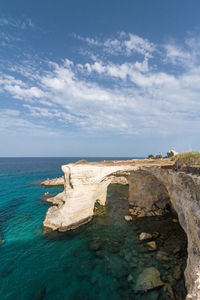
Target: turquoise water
92,262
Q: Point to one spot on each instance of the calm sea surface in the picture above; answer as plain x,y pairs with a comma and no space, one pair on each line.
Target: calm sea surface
101,260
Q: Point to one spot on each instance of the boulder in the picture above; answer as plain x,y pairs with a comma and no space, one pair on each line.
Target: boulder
128,218
149,279
144,236
151,246
131,211
175,220
141,214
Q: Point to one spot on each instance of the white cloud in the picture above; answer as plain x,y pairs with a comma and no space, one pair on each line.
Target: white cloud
13,121
129,44
184,55
126,44
138,44
22,24
135,96
176,55
21,93
89,41
9,112
18,89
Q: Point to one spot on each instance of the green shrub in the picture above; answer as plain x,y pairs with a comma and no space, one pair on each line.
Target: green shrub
170,154
150,156
99,209
83,161
158,156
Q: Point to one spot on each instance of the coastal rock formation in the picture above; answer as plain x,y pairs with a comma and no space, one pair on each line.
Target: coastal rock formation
184,192
57,200
149,279
53,181
152,188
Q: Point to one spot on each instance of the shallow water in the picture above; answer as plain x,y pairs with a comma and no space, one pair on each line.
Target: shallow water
92,262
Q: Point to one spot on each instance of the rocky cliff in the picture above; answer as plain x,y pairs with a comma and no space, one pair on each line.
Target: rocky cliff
152,188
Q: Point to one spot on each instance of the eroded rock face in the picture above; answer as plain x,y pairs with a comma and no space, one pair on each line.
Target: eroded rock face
151,189
147,192
184,191
84,185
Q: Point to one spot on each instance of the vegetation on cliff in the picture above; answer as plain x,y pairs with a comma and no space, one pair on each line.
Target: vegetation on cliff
99,209
158,156
187,161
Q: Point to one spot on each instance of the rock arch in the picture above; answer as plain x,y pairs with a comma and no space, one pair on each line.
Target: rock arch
84,184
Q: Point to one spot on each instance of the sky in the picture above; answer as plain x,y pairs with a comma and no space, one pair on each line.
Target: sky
99,78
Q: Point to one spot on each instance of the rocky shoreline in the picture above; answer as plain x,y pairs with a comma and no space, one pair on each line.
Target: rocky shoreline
154,187
153,266
53,181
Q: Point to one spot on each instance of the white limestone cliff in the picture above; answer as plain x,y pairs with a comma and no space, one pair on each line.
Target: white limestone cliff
150,187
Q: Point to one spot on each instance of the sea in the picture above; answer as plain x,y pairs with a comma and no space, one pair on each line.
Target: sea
101,260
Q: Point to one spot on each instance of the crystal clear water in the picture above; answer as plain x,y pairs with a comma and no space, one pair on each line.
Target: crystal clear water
101,260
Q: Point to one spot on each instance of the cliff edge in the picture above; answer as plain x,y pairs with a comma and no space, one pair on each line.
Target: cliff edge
153,186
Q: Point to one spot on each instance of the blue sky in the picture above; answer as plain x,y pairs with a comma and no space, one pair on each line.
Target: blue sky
99,78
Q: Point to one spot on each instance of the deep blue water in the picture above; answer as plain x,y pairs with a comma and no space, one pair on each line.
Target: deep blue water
65,266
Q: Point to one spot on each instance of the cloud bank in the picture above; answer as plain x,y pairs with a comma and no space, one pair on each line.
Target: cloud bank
124,84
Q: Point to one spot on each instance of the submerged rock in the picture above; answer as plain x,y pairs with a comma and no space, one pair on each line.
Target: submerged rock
130,278
144,236
149,279
168,278
100,254
151,246
155,235
96,244
177,272
128,257
168,289
114,247
1,240
177,250
161,255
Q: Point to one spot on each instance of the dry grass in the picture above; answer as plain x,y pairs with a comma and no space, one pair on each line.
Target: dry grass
133,162
187,159
187,155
